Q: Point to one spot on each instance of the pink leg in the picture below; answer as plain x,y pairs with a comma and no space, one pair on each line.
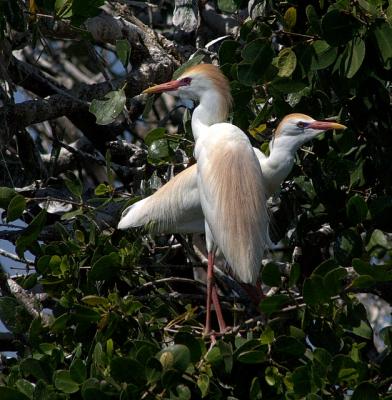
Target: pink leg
218,309
210,282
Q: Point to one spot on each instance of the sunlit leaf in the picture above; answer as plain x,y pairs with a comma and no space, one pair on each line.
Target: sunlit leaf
290,18
228,6
107,110
285,62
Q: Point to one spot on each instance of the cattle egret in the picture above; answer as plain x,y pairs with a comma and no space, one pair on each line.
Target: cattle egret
225,194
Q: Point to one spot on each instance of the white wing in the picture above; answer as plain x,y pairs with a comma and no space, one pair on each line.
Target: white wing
174,208
233,198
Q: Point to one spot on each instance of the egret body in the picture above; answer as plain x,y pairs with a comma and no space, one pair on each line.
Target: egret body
225,194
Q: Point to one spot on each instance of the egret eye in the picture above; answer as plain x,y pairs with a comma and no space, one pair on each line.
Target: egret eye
186,81
302,124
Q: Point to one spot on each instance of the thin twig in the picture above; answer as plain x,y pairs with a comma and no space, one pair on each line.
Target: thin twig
14,257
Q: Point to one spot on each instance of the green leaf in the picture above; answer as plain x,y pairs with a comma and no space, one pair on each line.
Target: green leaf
271,275
313,396
85,314
176,356
7,393
302,381
78,370
63,8
148,107
255,392
194,344
324,55
203,383
343,369
91,390
354,56
288,346
338,27
72,214
102,189
357,178
159,151
107,110
8,315
377,239
227,51
380,209
333,281
195,60
6,195
60,323
356,209
286,61
105,267
252,357
386,336
272,376
285,85
383,34
257,55
290,18
25,387
94,301
83,9
268,335
16,207
363,282
74,184
153,135
127,370
364,330
63,382
228,6
365,391
314,291
183,392
274,303
313,19
123,50
373,7
31,233
295,274
226,351
245,345
347,246
325,267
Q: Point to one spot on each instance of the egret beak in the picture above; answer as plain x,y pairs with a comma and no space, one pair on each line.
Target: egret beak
163,87
326,125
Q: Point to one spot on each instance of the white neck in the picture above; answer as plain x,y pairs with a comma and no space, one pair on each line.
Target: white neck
210,111
278,165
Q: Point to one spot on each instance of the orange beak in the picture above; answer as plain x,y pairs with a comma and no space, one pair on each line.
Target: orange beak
326,125
164,87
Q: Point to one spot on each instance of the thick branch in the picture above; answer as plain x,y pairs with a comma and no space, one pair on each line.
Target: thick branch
28,300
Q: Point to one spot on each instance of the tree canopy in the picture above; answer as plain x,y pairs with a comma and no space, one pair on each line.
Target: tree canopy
102,314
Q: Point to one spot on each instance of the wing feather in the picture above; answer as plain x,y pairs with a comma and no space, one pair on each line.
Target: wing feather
233,200
173,208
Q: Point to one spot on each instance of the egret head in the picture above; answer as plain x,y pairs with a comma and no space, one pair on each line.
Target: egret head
203,81
298,129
